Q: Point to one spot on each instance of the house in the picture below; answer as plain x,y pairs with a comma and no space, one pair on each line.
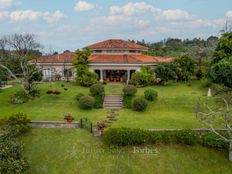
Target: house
113,60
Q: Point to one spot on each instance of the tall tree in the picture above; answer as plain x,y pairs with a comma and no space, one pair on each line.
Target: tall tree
20,47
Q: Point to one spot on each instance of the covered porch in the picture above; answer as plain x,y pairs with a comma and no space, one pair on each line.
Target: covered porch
115,73
119,76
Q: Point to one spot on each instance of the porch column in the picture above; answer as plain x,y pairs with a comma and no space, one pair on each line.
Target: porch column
128,76
101,75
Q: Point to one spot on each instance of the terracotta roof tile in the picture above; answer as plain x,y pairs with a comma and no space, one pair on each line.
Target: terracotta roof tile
58,58
105,58
116,43
127,58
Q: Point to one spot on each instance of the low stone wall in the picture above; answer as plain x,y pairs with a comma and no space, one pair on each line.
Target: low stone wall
54,124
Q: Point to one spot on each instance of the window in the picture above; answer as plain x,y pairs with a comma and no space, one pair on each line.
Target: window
67,73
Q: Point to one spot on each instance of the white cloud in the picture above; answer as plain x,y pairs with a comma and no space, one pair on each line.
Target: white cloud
132,8
5,3
29,15
229,14
176,14
3,14
56,16
83,6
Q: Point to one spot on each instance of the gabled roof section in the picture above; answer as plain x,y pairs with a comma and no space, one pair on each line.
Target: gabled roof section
117,44
58,58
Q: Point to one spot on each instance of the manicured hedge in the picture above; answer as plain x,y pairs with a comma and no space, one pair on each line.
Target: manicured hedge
129,136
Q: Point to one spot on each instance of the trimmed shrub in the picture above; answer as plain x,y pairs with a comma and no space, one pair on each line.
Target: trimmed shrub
87,102
97,89
139,104
129,90
127,100
188,137
125,136
79,95
98,101
150,94
132,136
20,120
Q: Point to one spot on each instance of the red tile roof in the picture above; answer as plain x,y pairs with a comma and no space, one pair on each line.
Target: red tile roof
105,58
116,43
127,58
58,58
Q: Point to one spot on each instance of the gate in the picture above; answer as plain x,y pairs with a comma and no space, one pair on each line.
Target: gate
86,124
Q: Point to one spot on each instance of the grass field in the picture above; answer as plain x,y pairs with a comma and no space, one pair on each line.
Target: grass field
173,108
71,151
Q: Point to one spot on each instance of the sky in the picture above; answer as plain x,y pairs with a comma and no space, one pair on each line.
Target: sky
73,24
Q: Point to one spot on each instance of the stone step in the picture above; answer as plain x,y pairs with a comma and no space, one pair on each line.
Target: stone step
109,105
112,107
113,102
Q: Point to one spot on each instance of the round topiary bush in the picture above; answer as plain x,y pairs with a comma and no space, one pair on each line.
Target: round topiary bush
79,95
97,89
87,102
150,94
129,90
139,104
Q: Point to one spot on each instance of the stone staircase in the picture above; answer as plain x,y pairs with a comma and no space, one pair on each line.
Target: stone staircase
113,102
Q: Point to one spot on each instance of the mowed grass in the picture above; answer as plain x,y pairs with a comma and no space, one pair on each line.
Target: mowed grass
71,151
174,107
50,107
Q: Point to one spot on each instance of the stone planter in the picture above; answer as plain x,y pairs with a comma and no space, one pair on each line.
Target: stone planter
97,133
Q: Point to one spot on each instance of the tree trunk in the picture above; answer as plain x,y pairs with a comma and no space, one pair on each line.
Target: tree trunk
230,151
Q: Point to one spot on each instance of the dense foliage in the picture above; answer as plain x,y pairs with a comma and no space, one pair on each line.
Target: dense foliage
144,77
20,120
130,136
12,160
87,102
164,73
184,68
221,65
150,94
139,104
221,73
84,76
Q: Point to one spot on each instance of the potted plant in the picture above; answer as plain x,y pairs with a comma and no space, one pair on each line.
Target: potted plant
69,119
100,126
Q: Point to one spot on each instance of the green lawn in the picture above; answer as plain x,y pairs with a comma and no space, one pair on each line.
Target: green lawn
71,151
173,108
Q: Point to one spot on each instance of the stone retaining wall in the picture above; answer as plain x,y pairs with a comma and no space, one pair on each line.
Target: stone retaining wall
54,124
